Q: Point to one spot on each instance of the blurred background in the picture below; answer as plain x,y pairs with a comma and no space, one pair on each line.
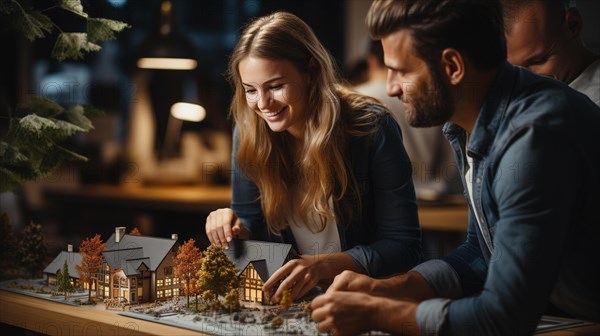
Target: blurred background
153,166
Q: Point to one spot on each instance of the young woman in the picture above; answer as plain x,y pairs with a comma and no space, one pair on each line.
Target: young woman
314,164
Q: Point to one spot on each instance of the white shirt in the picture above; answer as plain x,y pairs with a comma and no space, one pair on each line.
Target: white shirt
588,82
309,243
469,181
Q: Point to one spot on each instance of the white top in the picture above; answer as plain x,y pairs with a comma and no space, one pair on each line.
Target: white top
309,243
469,181
589,82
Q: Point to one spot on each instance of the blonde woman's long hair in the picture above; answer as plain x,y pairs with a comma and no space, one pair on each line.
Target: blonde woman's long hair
319,170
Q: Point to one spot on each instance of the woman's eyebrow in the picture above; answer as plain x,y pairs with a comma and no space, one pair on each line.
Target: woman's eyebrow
268,81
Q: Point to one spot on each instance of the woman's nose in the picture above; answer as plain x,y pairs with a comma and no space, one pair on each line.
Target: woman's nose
265,100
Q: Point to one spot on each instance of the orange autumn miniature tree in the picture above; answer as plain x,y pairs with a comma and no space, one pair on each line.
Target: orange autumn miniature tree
186,265
91,260
135,232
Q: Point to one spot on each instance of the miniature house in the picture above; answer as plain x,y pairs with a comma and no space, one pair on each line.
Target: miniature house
138,268
56,265
256,261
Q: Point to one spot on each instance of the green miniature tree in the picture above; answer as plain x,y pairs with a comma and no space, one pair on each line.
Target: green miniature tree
232,300
8,249
186,264
33,249
91,261
218,274
210,299
63,281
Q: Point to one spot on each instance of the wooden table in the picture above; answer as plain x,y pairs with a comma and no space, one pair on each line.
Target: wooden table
203,199
53,318
444,217
195,199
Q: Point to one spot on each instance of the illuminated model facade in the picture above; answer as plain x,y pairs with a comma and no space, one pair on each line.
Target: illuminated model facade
256,262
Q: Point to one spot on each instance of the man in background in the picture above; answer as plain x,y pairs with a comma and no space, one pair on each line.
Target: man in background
434,170
526,148
544,36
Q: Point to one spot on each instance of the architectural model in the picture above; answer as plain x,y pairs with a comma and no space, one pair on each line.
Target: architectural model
141,277
256,261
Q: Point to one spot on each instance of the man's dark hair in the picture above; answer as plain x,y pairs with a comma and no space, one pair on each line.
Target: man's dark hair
554,10
473,27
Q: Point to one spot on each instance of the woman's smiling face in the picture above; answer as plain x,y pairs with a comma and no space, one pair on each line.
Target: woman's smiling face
277,91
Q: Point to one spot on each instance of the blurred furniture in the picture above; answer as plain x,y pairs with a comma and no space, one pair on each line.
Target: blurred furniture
160,210
81,211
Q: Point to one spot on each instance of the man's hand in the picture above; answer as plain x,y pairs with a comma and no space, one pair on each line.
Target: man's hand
355,282
344,313
410,286
347,313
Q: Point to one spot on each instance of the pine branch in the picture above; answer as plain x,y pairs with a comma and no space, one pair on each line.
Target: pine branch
32,147
71,46
76,115
22,17
73,6
9,180
103,29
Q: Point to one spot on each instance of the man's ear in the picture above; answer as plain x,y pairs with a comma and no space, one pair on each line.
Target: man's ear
453,65
573,22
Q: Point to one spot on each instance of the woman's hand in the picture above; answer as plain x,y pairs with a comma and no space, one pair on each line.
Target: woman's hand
303,274
300,275
222,225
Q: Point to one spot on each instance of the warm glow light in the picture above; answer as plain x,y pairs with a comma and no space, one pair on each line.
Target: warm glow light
188,112
167,63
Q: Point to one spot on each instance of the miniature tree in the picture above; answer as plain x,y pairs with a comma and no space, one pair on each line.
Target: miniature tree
186,265
135,232
232,300
194,289
212,301
33,249
285,302
218,274
63,280
8,249
91,261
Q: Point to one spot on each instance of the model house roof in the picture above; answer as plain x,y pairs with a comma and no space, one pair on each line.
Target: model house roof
72,258
266,257
133,250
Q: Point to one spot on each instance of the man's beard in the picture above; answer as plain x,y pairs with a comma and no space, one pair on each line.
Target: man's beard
434,107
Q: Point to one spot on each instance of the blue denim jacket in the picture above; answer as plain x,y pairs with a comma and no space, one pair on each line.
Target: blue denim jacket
536,190
385,237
